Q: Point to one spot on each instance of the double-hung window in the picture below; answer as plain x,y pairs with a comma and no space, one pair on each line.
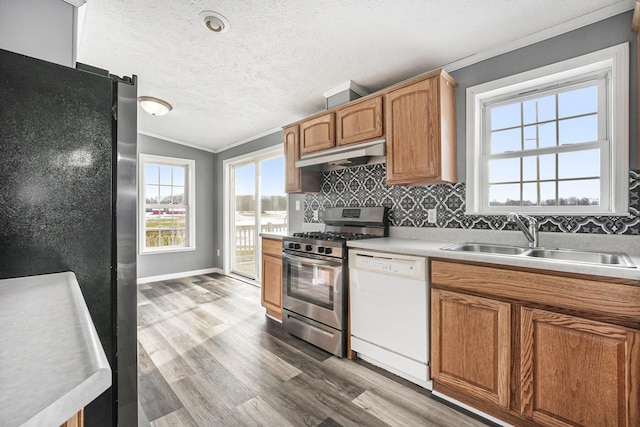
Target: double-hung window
167,208
551,141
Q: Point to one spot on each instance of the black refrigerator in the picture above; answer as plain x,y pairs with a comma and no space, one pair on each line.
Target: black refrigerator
68,201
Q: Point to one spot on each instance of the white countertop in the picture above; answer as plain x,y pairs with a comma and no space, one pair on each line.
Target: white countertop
431,248
275,236
51,361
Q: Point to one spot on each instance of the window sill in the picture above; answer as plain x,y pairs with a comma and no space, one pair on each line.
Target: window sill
166,251
548,214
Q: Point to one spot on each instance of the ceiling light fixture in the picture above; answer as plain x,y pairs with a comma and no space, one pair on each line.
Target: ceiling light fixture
154,106
214,21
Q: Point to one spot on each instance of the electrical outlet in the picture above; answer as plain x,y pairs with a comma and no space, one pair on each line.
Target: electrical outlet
297,205
315,215
432,215
218,252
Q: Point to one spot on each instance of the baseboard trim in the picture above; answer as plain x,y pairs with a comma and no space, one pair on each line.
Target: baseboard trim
179,275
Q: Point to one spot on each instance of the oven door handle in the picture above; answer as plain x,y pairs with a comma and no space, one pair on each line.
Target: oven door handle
309,260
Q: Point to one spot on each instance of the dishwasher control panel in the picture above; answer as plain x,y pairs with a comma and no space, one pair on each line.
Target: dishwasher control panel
400,265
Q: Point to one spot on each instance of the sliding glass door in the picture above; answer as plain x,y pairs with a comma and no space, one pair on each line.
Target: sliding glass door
258,204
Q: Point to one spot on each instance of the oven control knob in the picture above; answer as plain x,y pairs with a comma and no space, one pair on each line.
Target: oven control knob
296,246
328,251
308,248
321,249
290,245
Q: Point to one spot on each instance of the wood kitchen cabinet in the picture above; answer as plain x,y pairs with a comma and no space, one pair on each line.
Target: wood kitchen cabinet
578,372
297,180
572,355
318,133
421,132
76,421
271,297
359,122
471,339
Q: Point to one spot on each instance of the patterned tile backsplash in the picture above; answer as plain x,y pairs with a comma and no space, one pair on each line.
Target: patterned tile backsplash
365,186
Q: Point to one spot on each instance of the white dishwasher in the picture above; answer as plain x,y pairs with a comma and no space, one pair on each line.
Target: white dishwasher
389,312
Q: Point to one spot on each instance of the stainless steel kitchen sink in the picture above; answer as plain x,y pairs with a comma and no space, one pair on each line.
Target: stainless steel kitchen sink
562,255
486,248
601,258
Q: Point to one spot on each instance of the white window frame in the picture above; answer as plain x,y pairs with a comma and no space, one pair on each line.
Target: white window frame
615,171
190,166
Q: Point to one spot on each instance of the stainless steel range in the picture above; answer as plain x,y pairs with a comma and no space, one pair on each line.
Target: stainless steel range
315,275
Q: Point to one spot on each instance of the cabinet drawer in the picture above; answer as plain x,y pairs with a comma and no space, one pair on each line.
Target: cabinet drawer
359,122
272,247
583,293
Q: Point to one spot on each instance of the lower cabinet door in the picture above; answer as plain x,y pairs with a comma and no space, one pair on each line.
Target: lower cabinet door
76,421
578,372
471,345
272,285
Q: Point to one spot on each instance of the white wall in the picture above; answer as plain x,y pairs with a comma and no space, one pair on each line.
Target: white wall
43,29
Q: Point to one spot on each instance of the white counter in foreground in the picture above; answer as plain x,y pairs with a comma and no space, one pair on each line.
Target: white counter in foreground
51,361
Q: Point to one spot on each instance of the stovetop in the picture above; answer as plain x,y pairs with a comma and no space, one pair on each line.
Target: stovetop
342,224
333,236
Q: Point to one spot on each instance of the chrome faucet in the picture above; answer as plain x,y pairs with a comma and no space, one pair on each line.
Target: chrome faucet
531,232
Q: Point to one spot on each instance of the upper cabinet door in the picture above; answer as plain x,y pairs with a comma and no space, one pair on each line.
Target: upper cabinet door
318,134
291,155
421,143
359,122
297,180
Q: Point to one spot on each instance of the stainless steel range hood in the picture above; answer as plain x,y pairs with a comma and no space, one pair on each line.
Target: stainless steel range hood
346,156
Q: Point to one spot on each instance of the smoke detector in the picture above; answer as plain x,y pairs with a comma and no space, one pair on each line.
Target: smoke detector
215,22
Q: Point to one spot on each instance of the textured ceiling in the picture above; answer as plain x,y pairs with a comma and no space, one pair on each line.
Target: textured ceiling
279,56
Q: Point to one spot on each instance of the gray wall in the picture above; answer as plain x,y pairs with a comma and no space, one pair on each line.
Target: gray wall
600,35
203,257
43,29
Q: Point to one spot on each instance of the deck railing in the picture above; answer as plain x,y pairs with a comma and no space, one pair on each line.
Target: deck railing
246,243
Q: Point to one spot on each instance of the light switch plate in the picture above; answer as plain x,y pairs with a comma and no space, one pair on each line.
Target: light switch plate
297,205
315,215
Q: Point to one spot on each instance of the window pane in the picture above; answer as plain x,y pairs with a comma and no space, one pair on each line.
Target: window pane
165,175
536,168
577,102
585,192
544,137
530,168
165,194
180,228
548,166
506,140
530,194
504,170
273,199
579,164
539,110
178,195
151,173
151,194
580,129
504,195
245,220
505,116
178,175
547,194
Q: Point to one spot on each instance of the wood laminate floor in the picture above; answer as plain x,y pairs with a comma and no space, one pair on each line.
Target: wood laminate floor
208,356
